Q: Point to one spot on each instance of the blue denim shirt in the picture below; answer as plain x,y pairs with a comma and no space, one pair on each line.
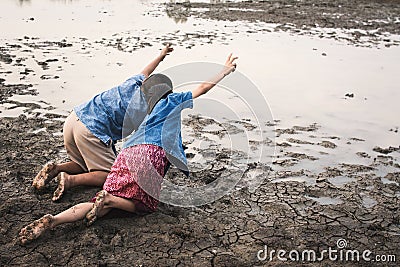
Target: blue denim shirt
162,127
104,114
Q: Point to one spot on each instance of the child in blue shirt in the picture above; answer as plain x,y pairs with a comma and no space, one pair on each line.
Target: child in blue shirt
92,129
134,181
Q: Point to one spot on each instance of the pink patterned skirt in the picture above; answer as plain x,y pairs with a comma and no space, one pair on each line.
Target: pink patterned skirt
137,174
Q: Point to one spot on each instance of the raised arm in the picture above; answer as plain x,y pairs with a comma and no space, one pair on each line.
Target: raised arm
203,88
148,70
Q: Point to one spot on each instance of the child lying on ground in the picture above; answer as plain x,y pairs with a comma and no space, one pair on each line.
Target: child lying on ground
135,179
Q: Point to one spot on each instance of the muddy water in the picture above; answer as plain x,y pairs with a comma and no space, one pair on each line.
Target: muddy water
303,79
335,172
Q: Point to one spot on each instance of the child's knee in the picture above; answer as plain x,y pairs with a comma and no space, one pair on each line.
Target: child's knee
141,208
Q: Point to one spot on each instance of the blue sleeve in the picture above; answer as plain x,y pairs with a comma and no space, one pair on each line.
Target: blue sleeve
187,100
138,79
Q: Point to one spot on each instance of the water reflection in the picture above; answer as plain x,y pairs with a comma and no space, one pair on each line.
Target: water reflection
188,1
179,13
179,10
23,2
65,1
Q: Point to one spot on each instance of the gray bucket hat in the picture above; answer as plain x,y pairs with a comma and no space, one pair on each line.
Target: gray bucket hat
154,88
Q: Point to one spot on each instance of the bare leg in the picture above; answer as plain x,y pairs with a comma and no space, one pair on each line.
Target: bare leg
111,201
66,181
72,214
51,170
69,167
105,202
40,226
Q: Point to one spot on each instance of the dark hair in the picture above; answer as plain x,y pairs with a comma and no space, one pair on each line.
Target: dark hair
154,88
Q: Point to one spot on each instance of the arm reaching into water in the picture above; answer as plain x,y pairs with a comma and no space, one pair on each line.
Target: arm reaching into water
148,70
203,88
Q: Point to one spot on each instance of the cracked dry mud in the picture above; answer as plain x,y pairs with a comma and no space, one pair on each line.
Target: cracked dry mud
295,207
282,212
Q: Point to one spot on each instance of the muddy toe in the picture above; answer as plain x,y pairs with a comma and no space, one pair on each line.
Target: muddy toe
35,229
44,176
60,188
91,216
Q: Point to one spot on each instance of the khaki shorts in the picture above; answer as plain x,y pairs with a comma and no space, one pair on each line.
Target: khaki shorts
84,148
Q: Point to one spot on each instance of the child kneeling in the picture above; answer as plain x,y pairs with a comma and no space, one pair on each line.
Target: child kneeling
134,182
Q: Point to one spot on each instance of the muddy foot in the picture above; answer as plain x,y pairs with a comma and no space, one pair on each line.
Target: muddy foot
35,229
47,173
61,187
91,216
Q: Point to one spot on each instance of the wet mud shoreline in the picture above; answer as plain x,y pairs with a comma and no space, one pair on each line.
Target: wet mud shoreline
367,20
311,213
296,207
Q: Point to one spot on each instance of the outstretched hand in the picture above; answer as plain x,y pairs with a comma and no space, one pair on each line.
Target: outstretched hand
204,87
230,65
148,70
166,50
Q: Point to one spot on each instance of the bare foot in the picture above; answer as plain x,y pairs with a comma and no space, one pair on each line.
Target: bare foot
92,215
62,186
35,229
48,172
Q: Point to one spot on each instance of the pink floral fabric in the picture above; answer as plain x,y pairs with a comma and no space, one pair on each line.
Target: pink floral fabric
137,174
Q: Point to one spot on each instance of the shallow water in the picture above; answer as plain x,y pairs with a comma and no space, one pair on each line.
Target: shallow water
340,180
303,79
368,202
326,200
